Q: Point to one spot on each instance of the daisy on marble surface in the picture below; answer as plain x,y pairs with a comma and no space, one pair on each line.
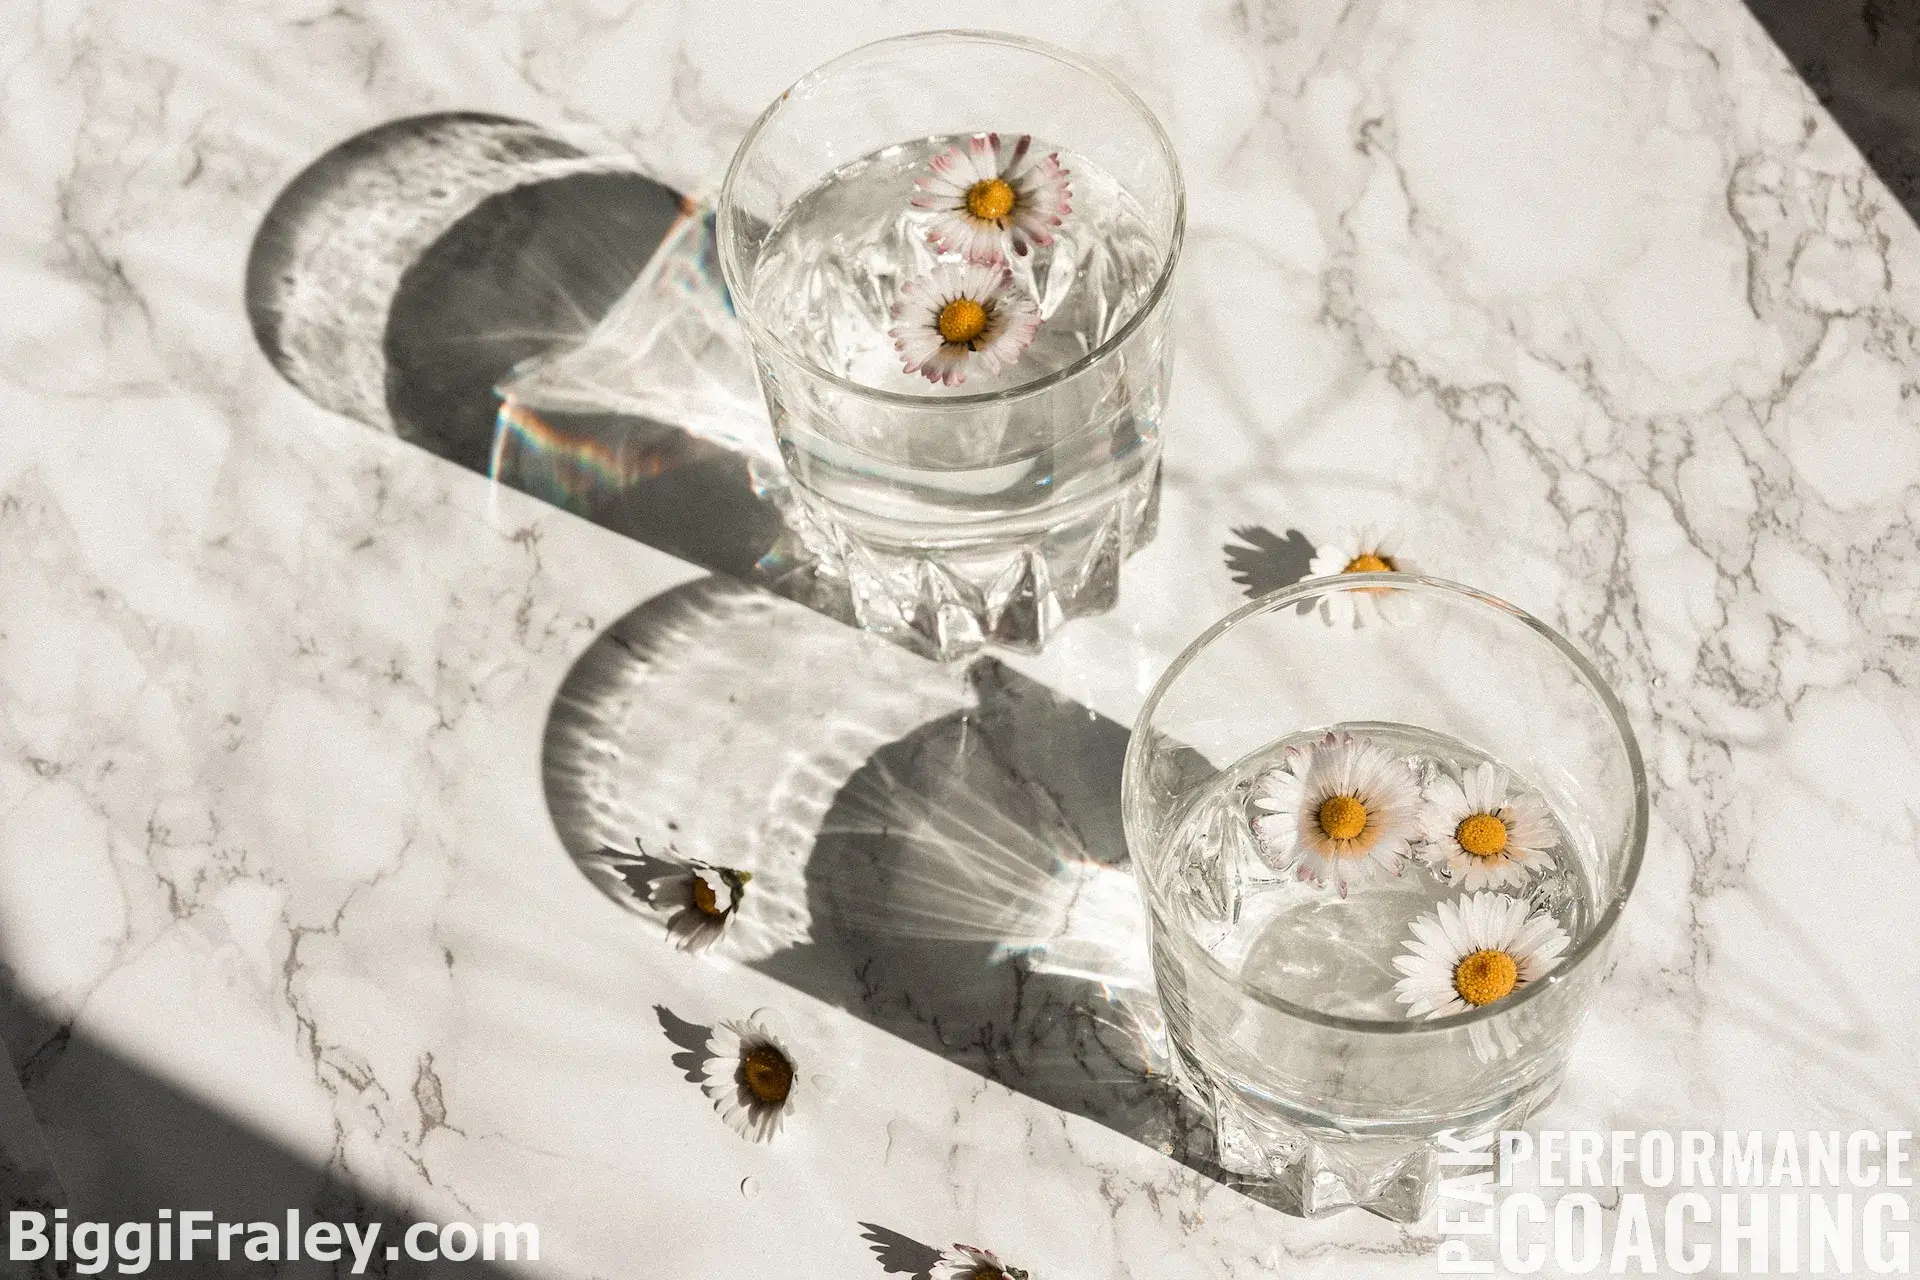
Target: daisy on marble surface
751,1076
957,320
701,901
1474,951
1368,549
988,198
967,1262
1481,834
1335,810
746,912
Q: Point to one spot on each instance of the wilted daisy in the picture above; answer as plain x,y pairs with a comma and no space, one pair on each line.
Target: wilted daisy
748,914
1475,951
957,317
750,1077
988,198
703,901
1480,835
965,1262
1334,807
1373,549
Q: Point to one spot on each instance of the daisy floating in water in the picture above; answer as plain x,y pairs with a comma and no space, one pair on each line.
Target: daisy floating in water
750,1077
1476,951
1481,836
1334,807
1368,550
965,1262
957,318
702,901
988,199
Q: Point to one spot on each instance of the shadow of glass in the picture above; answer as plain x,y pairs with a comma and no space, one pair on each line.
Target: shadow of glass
125,1144
939,853
969,891
404,275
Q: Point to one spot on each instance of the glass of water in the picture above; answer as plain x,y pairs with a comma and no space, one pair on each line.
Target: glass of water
952,254
1384,826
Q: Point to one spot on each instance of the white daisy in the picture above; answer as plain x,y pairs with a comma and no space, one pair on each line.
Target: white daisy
1371,549
748,913
750,1076
958,316
965,1262
988,199
1474,951
1335,806
703,900
1482,837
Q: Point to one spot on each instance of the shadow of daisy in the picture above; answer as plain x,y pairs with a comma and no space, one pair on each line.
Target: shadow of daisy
1265,561
690,1038
898,1254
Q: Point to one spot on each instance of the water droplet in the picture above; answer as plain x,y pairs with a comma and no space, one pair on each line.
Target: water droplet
749,1187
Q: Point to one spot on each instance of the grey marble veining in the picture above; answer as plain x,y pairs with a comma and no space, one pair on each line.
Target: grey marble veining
1622,332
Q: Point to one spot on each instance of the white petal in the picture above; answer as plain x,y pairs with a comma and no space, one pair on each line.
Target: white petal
1332,557
724,1041
1528,824
1486,788
1472,874
1454,925
692,929
982,154
1505,917
938,200
953,166
1432,932
947,365
1018,320
1448,803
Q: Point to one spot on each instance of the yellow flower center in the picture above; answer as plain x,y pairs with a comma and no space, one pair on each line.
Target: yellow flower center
962,320
767,1074
990,199
1482,977
705,900
1342,817
1482,835
1368,562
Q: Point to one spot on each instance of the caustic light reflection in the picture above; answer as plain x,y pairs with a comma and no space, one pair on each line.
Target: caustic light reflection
968,854
567,463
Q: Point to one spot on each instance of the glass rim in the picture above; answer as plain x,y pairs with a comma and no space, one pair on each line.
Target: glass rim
1312,588
730,248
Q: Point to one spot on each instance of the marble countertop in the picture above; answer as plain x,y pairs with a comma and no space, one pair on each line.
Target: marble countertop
302,723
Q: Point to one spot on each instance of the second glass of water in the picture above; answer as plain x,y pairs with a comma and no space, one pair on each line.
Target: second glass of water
952,254
1384,833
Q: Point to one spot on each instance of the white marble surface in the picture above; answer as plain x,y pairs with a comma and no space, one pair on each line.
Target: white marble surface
1591,298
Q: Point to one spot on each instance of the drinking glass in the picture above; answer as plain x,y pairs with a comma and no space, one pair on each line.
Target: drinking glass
1340,1100
990,511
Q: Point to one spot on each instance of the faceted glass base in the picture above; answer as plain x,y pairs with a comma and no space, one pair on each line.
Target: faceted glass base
948,599
1316,1170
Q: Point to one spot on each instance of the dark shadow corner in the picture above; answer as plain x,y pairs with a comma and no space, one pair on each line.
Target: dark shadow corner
125,1144
1861,58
